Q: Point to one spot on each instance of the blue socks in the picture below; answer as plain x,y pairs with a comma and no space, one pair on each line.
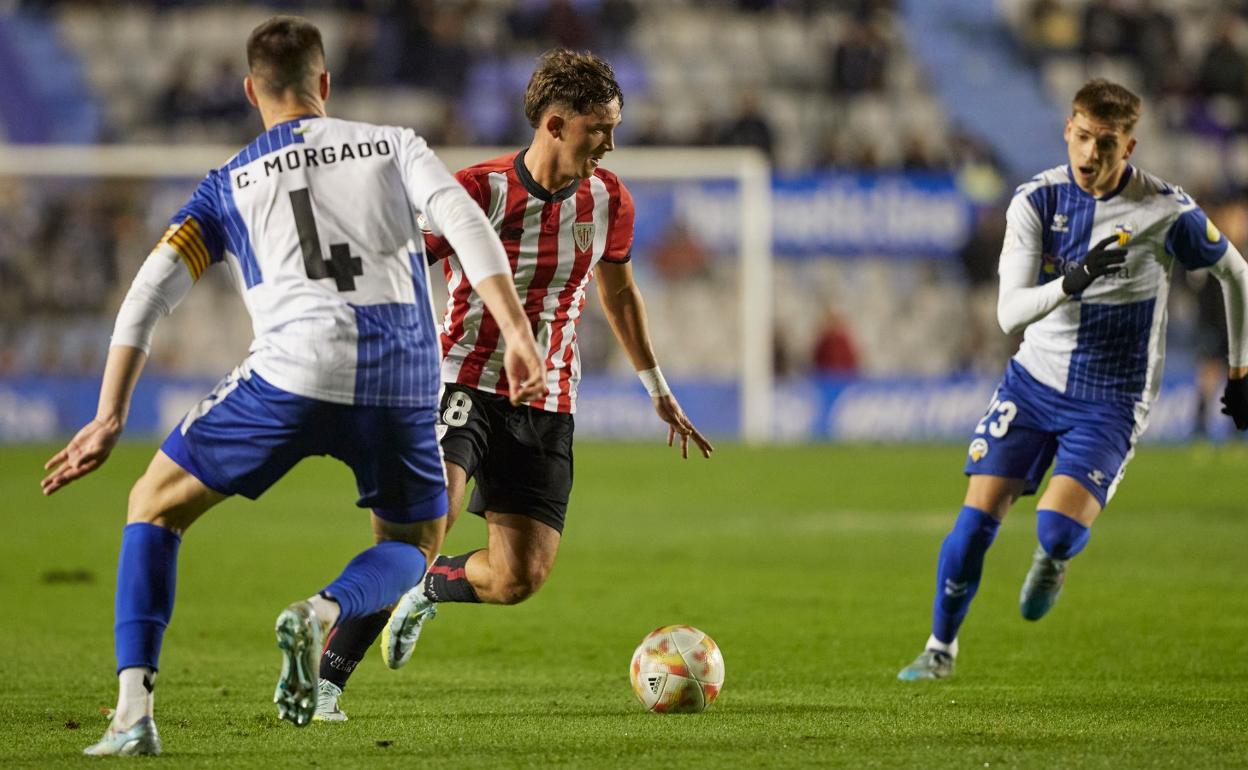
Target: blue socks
959,569
146,574
376,578
1061,536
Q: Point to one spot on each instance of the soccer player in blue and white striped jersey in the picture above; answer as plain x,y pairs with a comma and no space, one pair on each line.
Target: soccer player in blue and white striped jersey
1085,269
316,222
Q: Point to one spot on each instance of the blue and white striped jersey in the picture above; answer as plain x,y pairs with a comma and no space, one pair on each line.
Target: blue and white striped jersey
316,222
1108,343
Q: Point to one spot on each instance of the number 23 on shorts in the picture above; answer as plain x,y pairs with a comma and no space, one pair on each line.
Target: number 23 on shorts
1005,412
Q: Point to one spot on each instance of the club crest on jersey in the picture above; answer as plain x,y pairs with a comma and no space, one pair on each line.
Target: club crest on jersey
1059,223
583,235
1124,233
978,450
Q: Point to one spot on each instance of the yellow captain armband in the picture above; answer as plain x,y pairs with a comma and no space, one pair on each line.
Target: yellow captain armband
188,241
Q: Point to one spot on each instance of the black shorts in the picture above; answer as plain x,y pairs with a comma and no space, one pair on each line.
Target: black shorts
520,457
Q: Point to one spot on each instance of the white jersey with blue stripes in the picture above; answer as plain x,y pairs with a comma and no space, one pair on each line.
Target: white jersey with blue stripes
316,221
1109,342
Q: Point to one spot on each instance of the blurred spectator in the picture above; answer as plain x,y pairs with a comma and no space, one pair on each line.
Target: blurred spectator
679,254
358,66
450,130
749,128
1051,29
175,102
917,156
1156,49
835,352
552,23
651,133
982,251
1224,70
221,98
859,61
985,347
434,54
616,19
1106,29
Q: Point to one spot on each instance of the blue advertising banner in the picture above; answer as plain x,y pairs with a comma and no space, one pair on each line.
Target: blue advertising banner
896,215
937,409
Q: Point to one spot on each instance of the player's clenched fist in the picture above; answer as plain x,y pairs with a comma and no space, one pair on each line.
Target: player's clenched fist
1101,260
1235,402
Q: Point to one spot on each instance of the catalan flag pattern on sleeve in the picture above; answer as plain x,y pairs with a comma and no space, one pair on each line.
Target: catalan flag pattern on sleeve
188,240
195,232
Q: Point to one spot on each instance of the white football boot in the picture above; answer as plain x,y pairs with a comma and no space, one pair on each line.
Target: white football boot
398,637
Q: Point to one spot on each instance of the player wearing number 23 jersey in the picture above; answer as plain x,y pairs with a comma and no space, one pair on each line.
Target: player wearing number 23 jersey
1089,250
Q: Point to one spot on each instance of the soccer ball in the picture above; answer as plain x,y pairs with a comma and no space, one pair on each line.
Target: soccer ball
677,669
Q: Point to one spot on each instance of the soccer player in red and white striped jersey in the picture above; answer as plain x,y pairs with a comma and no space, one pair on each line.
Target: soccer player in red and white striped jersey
554,241
562,220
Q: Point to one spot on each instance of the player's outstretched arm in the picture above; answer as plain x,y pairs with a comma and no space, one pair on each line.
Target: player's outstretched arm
92,445
162,282
1232,273
626,312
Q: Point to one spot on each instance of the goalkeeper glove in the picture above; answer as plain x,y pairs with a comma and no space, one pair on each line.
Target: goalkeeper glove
1235,402
1101,260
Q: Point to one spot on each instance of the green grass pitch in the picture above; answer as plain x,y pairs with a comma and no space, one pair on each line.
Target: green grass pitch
811,566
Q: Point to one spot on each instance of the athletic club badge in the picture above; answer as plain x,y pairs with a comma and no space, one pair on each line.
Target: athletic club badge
583,234
978,449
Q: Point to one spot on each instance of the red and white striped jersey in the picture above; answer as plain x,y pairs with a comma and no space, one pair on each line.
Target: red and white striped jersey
553,241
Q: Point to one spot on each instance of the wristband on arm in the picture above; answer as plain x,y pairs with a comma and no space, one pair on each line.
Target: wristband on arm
656,386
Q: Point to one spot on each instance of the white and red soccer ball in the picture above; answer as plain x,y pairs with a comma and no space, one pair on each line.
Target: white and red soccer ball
677,669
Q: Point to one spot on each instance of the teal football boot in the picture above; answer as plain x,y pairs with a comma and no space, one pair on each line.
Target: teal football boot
931,664
1042,585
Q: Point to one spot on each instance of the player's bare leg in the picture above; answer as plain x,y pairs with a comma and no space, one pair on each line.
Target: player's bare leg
1064,517
987,500
520,555
993,495
163,504
516,562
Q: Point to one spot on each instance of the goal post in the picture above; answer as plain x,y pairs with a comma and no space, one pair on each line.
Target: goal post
746,168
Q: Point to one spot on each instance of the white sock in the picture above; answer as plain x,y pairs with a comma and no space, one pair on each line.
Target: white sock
134,696
950,649
326,610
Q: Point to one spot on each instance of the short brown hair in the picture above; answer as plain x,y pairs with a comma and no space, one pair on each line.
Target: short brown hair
1108,102
578,81
284,52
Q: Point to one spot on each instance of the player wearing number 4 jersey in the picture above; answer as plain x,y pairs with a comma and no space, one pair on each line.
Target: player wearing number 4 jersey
316,221
1089,249
562,219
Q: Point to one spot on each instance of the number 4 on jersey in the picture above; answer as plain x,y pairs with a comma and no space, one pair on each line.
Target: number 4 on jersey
340,266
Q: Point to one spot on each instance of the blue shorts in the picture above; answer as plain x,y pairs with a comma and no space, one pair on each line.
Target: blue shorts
247,434
1028,424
